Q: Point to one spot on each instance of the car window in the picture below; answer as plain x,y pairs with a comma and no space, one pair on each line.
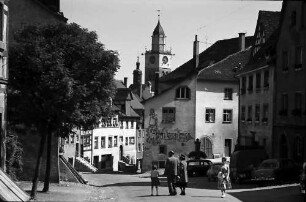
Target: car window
194,163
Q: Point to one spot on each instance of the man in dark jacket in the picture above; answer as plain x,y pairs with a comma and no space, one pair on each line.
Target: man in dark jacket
171,172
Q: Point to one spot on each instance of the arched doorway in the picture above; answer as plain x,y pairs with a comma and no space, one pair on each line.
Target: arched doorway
283,147
206,146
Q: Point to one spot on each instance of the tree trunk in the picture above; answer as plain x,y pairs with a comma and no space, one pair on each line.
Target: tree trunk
48,163
38,163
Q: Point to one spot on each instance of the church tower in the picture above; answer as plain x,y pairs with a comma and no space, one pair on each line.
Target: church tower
137,79
158,59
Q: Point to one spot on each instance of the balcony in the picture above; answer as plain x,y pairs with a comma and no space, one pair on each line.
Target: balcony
249,120
264,120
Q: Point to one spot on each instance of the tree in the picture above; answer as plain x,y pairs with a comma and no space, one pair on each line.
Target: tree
61,78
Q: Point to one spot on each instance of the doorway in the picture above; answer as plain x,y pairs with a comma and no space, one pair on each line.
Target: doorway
227,147
96,161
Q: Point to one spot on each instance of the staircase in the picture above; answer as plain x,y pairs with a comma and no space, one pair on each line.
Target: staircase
72,170
82,165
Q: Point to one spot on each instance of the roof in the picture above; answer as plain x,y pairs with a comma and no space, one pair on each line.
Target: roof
119,84
135,102
223,70
269,20
218,51
158,30
270,23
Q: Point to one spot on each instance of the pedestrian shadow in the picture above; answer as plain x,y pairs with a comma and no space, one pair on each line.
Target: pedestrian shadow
145,196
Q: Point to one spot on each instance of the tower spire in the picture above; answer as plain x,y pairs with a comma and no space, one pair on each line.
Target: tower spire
158,14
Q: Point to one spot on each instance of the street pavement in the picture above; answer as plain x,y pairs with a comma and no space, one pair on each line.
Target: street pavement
128,188
119,187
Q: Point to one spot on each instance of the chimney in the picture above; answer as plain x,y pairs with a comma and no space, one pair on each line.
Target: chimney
156,83
196,52
241,41
125,81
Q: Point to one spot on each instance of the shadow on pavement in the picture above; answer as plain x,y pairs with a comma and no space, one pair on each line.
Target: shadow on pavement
272,194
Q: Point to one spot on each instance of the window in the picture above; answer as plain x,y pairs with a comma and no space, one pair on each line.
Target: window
126,141
242,113
183,93
293,18
210,115
72,138
102,142
115,141
227,115
110,142
258,82
228,94
257,113
126,124
132,140
249,113
139,147
297,111
96,143
265,112
298,57
266,79
162,149
121,139
304,15
243,85
285,63
1,22
132,124
250,87
284,105
168,115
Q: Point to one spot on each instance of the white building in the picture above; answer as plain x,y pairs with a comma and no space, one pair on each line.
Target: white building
114,139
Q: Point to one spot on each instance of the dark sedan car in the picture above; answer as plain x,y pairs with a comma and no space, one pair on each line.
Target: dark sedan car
277,170
198,167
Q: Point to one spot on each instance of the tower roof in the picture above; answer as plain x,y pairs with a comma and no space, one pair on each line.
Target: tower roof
158,30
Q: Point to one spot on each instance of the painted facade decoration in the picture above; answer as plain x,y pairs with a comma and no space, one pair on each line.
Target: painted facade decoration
156,136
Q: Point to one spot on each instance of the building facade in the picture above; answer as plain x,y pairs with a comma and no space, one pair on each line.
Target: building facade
4,9
290,117
173,120
35,12
257,86
118,138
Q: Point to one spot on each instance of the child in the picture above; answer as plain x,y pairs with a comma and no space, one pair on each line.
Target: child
223,178
154,180
222,182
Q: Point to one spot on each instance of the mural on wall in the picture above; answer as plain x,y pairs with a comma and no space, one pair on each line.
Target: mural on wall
155,136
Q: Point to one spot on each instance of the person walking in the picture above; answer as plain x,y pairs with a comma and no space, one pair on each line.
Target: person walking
183,177
154,180
171,171
224,181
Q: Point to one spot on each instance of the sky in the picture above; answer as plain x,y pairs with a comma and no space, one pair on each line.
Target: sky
126,26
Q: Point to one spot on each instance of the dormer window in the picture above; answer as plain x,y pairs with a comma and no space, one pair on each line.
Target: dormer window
182,93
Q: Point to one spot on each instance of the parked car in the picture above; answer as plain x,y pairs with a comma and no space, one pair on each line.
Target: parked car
244,162
277,170
303,181
213,171
198,167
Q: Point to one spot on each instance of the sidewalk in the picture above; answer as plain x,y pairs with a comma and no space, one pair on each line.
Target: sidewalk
68,191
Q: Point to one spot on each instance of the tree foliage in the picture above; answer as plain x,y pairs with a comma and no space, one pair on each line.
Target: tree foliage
60,76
